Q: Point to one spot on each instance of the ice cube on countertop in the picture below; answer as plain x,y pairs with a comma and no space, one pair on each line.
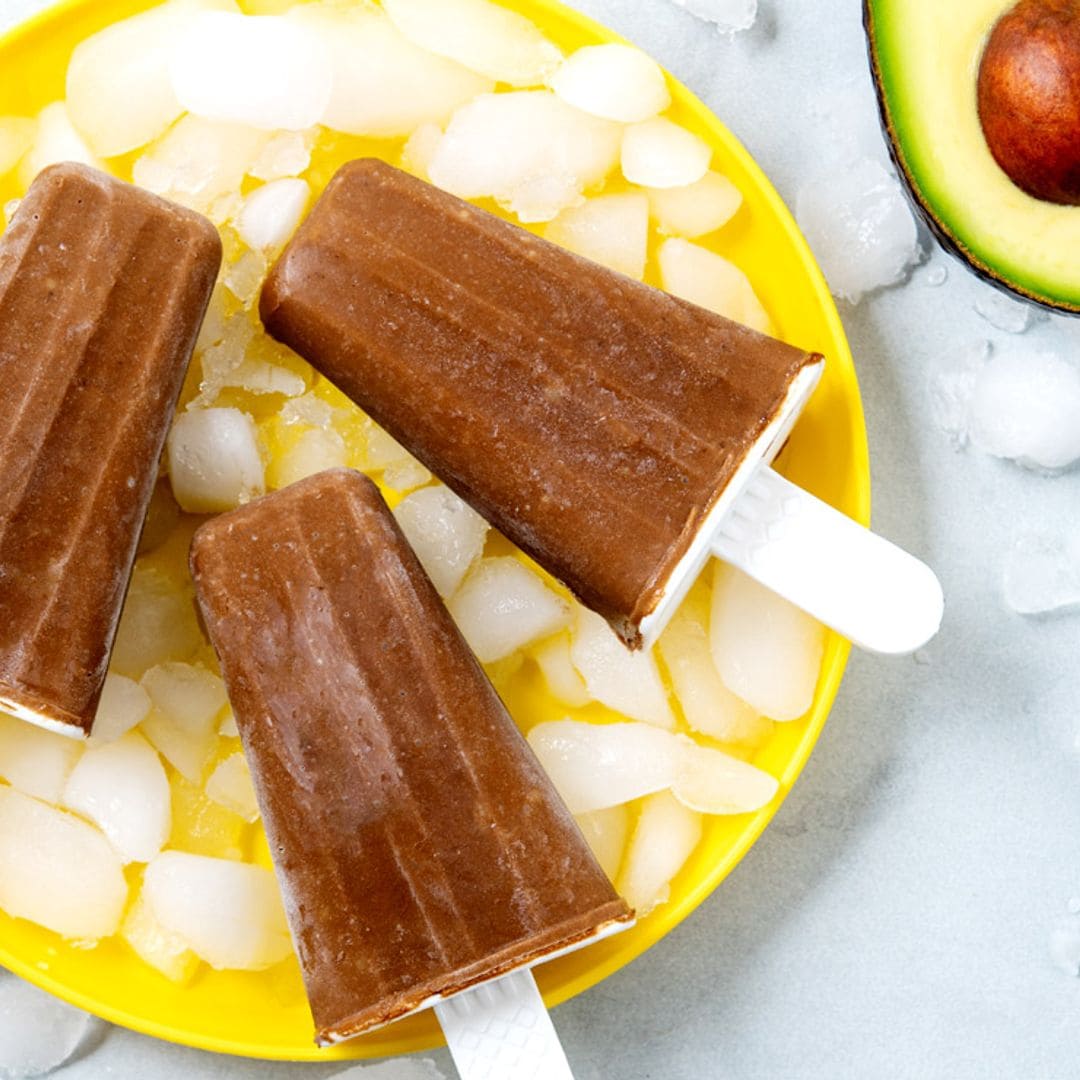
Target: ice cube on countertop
1025,405
1042,573
1008,313
859,225
38,1032
728,16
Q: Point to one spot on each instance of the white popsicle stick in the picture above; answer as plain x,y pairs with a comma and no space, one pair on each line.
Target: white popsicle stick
501,1029
859,584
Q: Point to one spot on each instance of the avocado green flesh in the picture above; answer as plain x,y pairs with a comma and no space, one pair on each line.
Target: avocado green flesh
926,56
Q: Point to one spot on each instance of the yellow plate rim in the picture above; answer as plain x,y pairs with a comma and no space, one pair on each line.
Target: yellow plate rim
670,915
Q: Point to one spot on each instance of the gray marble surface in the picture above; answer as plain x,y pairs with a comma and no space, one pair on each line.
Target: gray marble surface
894,920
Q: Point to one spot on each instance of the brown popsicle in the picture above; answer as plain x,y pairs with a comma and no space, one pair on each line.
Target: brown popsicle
419,845
592,419
103,288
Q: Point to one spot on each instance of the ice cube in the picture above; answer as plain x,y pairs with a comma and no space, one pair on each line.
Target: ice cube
228,727
55,140
382,449
594,766
708,705
483,36
605,832
271,213
658,153
266,71
1004,312
951,390
383,84
124,703
202,826
406,474
121,787
160,948
617,82
260,377
244,277
199,161
562,678
1065,946
308,409
288,153
229,913
767,651
36,761
183,721
859,224
502,605
713,782
230,786
529,150
58,871
158,624
1042,573
848,114
610,229
119,94
420,150
316,450
728,16
704,278
696,209
628,682
1026,406
663,839
38,1032
445,532
16,137
214,460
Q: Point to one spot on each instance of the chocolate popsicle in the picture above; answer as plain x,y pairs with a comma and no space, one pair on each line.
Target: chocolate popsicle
420,847
592,419
103,288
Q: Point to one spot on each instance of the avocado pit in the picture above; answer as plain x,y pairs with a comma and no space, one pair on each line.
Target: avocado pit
1029,97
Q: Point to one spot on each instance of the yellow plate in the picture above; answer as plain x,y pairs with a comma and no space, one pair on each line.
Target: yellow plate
261,1015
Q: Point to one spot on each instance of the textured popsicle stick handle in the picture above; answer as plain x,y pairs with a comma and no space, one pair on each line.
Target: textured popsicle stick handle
501,1030
864,587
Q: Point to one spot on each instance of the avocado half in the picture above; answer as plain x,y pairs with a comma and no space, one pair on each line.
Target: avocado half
925,58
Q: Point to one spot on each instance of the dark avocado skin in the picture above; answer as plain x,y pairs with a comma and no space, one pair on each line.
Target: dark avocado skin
938,227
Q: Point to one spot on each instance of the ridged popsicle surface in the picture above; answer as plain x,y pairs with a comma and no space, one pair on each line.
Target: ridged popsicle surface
420,846
103,288
592,419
